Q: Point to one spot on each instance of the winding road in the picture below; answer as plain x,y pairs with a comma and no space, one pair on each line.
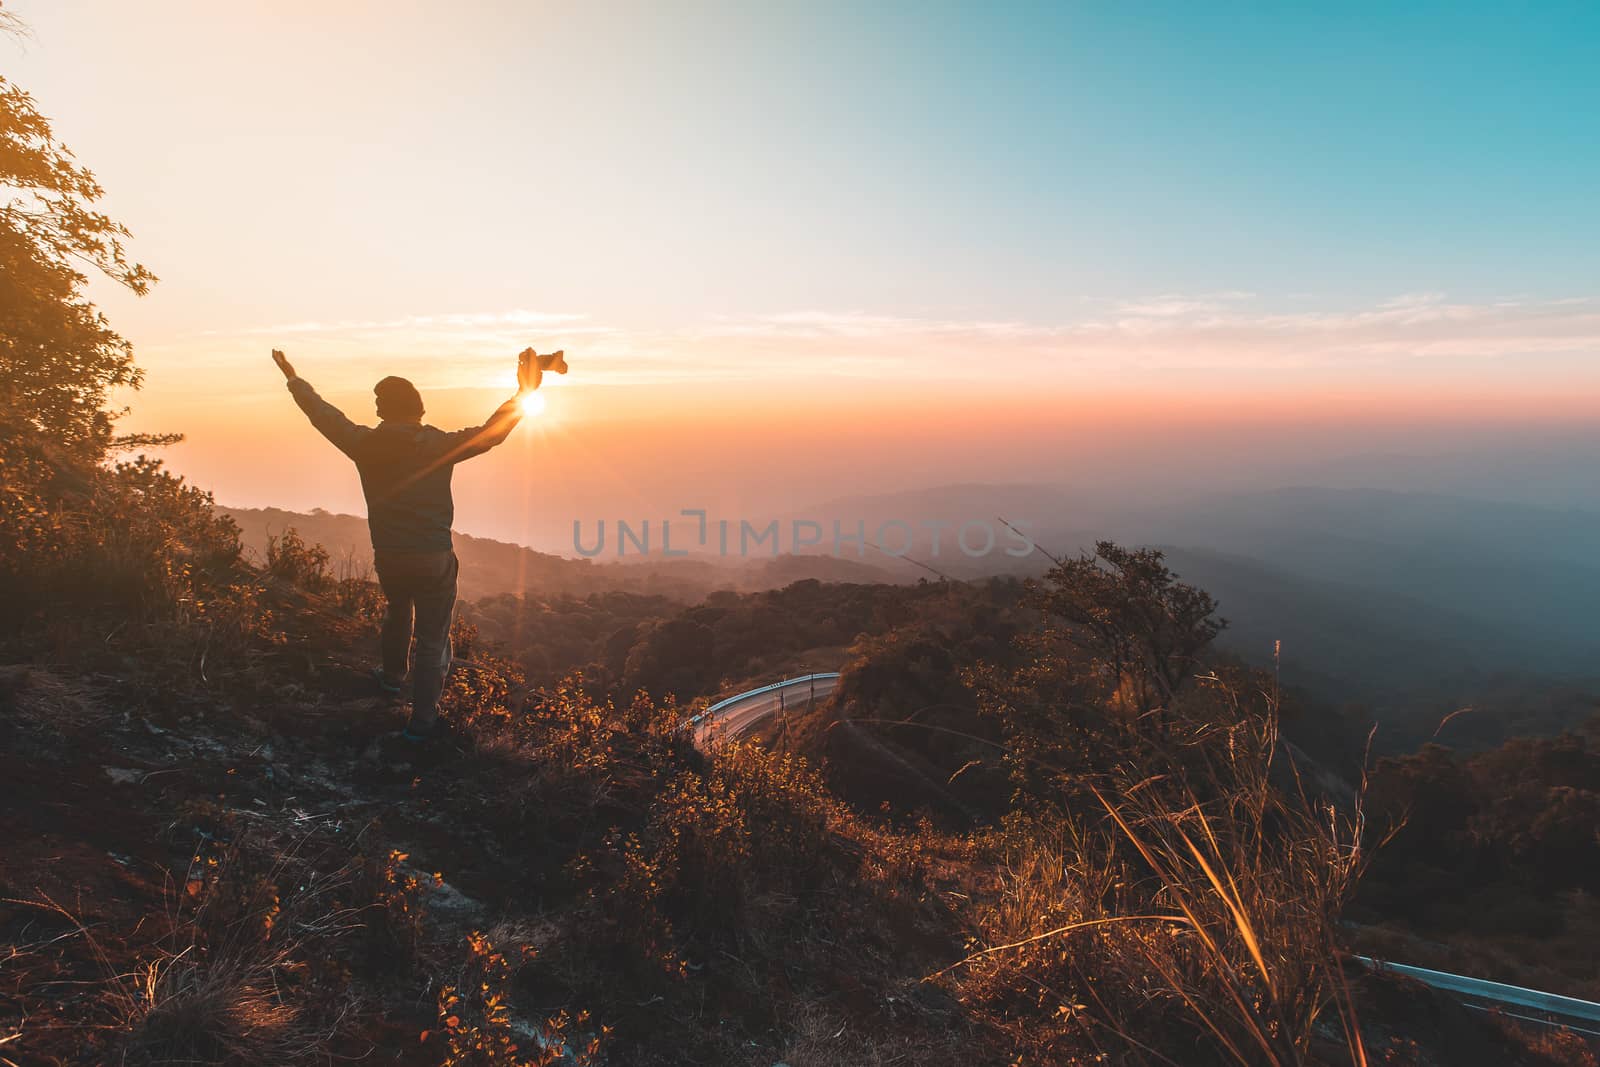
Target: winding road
741,713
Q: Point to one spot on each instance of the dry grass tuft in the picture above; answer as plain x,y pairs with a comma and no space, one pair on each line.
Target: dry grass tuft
1197,912
180,1010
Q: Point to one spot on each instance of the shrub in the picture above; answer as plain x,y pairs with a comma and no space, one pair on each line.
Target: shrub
753,823
396,911
478,1028
133,541
291,558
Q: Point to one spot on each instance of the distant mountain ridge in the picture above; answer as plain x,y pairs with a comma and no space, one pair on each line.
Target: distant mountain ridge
1374,592
490,567
1530,576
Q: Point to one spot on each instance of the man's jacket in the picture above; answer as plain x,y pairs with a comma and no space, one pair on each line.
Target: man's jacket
405,468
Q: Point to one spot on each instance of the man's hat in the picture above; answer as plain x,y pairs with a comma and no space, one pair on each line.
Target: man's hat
398,398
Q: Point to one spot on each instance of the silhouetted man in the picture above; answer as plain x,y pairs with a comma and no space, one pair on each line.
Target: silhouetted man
405,468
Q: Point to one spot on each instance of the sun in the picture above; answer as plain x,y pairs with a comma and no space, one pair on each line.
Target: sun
532,403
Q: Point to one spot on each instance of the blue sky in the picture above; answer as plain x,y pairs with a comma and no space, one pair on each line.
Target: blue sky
1006,160
1119,149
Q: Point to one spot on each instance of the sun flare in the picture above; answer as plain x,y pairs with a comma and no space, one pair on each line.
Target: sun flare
532,403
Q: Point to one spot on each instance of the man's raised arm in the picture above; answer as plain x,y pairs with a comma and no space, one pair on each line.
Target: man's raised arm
479,439
329,420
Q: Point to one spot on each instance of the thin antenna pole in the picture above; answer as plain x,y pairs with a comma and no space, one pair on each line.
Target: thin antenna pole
1047,554
913,560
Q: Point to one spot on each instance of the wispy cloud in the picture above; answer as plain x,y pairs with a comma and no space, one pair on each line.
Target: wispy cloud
1224,331
852,324
516,318
1177,305
1405,300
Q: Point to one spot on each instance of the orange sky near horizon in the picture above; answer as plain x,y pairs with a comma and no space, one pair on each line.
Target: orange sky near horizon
647,451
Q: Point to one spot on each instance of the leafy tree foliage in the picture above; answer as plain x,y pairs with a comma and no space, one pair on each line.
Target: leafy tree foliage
80,536
1122,664
59,359
1145,630
1524,813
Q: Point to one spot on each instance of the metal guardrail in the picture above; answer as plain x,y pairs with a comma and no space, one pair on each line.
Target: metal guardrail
1499,992
773,688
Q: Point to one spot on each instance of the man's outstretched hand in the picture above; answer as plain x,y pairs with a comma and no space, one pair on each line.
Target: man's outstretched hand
283,364
529,375
531,367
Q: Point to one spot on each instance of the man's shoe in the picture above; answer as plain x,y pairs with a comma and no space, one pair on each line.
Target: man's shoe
420,735
384,684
